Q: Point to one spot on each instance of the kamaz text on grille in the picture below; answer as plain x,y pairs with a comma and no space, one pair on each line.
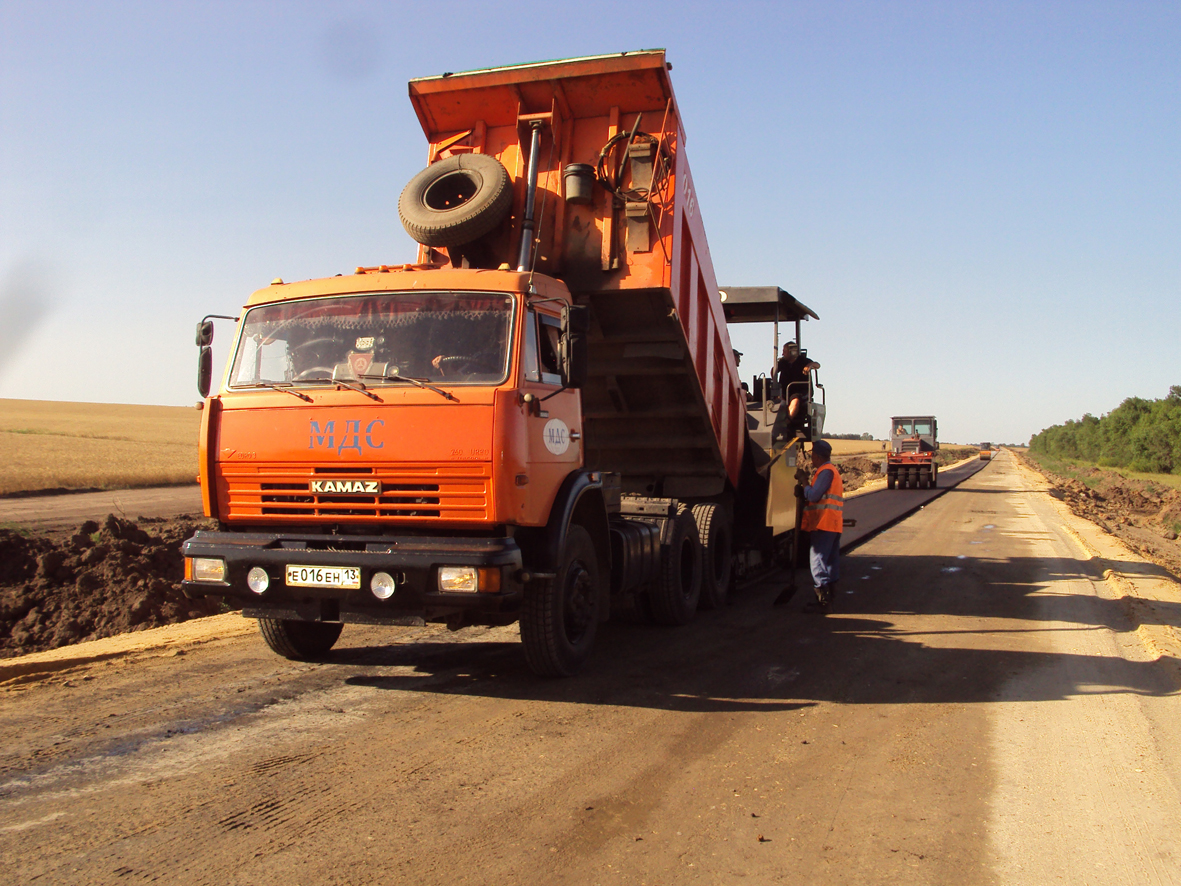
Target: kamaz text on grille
348,487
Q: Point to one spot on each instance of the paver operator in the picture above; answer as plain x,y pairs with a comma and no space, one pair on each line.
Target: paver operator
824,517
792,375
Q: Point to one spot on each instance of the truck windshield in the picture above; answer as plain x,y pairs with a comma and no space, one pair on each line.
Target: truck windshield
922,427
377,338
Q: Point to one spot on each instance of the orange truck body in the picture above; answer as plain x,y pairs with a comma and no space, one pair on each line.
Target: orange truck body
553,492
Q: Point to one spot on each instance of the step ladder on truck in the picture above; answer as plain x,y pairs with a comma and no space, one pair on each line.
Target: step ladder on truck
539,419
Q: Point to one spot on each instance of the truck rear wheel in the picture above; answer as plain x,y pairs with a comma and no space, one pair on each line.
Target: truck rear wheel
456,200
299,640
561,614
713,530
891,479
678,588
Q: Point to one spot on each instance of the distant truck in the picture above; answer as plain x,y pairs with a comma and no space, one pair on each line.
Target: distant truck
910,463
985,451
538,420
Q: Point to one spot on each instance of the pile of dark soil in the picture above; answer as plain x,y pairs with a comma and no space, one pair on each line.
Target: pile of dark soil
857,471
1142,514
63,588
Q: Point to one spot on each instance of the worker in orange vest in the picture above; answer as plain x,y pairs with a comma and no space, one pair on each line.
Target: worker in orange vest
824,518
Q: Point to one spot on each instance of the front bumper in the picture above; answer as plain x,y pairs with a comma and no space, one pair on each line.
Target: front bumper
413,561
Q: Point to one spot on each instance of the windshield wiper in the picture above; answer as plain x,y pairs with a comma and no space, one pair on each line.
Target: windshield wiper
419,382
285,387
352,386
358,387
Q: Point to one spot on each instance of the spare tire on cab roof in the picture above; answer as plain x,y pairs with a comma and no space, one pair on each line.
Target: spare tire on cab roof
456,200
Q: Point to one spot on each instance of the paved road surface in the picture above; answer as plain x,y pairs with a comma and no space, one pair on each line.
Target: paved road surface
986,707
882,508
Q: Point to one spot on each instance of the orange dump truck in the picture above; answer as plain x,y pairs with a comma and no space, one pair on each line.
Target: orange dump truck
539,419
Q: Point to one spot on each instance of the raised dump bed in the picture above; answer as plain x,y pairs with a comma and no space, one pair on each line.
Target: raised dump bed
660,404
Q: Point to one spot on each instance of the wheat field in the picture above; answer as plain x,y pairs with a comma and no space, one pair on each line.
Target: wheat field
57,445
849,448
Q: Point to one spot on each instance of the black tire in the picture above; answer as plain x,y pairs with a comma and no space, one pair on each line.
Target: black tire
934,477
299,640
713,531
891,480
678,588
561,614
456,201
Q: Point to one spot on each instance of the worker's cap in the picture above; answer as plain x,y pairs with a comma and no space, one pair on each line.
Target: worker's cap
822,448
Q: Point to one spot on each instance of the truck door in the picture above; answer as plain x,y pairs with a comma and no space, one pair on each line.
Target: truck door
554,423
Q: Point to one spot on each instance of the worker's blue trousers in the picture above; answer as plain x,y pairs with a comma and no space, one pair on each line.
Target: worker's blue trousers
825,557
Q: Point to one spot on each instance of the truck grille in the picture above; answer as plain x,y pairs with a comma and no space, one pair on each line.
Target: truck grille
408,493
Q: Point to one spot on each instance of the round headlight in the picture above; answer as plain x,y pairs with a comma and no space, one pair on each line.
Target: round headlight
258,580
382,584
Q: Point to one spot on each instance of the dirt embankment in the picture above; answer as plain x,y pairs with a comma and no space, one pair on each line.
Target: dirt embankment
857,471
949,455
1142,514
60,588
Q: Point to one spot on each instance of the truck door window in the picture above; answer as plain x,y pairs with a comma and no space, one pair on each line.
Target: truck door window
532,369
550,334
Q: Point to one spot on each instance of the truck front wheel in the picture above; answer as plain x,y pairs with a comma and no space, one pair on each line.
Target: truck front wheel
561,614
299,640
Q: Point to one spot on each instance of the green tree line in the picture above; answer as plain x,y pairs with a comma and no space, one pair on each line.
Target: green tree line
1143,435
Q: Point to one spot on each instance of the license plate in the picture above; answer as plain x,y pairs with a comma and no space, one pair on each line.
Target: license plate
348,577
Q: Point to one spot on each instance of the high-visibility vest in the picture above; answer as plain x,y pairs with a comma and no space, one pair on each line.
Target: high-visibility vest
828,513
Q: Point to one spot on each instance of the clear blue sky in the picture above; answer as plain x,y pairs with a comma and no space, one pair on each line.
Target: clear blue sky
981,200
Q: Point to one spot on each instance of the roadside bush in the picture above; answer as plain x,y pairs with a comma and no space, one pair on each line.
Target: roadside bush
1143,435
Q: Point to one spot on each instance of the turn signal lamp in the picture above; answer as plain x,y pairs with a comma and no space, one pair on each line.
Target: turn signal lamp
206,568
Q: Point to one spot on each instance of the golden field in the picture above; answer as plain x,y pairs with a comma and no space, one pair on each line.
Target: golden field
849,448
53,445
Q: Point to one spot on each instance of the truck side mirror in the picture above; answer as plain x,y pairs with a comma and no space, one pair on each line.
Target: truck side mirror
205,369
205,333
575,357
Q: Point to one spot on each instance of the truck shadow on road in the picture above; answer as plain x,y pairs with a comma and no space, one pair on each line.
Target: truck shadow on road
916,630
